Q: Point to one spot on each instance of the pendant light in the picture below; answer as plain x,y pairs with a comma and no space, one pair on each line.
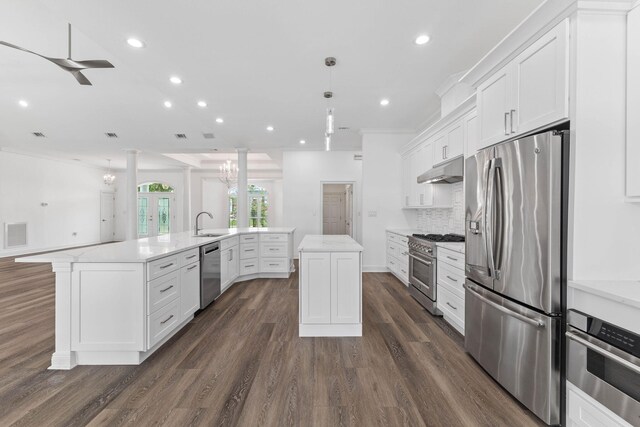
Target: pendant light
108,177
330,62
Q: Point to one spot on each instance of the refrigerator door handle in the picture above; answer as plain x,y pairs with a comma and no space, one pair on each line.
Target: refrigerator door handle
533,322
488,218
499,214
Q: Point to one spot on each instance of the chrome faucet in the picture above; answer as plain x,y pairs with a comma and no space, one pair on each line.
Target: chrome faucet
197,229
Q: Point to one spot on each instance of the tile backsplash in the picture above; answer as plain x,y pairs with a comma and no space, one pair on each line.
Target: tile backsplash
442,221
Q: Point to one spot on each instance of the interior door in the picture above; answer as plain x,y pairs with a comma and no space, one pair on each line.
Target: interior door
333,214
107,230
349,210
145,216
528,211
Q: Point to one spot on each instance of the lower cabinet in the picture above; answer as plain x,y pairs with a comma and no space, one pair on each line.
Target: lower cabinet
189,290
450,290
584,411
398,256
229,266
315,289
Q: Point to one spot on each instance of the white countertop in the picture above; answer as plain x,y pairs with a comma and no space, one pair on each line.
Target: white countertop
333,243
453,246
404,231
147,249
622,291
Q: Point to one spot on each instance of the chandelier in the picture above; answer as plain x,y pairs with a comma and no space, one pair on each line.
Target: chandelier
329,61
108,177
228,173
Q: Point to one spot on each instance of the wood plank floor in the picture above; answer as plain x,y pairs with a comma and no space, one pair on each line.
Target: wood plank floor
240,362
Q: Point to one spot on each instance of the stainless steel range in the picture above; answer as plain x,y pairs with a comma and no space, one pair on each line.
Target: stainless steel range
422,268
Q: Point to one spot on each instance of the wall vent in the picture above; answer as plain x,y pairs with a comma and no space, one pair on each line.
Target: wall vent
15,234
181,135
111,134
357,157
38,134
208,135
344,128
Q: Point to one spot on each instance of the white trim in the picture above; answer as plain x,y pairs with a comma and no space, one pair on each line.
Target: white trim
385,131
354,200
334,330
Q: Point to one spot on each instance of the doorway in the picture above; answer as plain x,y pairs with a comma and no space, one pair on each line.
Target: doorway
337,208
156,210
107,229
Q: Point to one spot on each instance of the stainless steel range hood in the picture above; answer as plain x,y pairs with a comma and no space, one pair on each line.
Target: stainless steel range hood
447,173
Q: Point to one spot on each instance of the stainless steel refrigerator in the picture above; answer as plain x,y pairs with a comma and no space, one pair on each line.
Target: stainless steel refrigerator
516,195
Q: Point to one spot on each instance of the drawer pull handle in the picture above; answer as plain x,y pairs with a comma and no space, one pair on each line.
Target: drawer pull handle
273,265
162,267
192,256
191,268
452,258
249,265
166,320
451,278
454,307
249,250
165,289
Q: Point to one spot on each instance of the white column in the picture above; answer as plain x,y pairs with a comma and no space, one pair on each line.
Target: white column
63,357
132,194
186,204
243,199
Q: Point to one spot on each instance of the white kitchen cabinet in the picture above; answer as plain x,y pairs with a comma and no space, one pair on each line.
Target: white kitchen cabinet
345,287
398,256
229,266
450,144
315,288
470,124
584,411
528,93
189,290
633,103
450,279
406,181
417,195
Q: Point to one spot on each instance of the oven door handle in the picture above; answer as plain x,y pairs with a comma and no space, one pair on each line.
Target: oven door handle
421,259
581,338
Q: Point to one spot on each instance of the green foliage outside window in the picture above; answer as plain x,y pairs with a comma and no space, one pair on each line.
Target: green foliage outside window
258,202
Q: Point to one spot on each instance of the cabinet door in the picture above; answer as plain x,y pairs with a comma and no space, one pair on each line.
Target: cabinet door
455,141
189,290
439,145
234,263
414,195
540,90
315,289
345,287
493,108
633,102
406,181
470,134
225,273
425,191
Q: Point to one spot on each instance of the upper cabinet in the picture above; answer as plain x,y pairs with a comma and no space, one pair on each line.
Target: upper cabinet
633,104
449,144
530,92
471,136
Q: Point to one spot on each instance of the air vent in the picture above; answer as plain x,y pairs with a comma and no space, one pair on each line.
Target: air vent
181,135
15,235
38,134
111,134
344,128
208,135
357,157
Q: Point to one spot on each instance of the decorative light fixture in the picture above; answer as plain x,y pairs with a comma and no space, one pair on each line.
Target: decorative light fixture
109,177
329,61
228,173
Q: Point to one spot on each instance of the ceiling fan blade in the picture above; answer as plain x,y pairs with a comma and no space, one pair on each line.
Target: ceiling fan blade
81,78
22,49
95,63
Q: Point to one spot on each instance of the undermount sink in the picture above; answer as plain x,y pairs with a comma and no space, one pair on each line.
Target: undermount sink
207,235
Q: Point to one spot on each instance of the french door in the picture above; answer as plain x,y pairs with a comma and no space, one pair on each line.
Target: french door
155,214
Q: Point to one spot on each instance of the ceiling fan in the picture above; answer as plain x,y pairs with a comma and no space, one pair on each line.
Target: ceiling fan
68,64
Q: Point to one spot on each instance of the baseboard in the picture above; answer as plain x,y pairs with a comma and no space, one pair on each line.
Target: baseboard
375,269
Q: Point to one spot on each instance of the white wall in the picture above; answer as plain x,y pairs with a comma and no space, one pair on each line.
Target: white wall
303,174
71,190
604,242
382,195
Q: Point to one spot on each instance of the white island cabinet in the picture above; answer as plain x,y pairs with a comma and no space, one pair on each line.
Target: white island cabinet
118,303
330,286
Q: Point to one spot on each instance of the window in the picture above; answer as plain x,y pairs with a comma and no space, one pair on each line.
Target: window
258,203
155,187
155,210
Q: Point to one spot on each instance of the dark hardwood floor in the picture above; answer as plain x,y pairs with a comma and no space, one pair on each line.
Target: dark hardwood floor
240,362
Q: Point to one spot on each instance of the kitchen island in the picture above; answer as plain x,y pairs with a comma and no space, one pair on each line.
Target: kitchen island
330,286
118,303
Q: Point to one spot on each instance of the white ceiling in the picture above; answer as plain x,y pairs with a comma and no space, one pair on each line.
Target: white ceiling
255,63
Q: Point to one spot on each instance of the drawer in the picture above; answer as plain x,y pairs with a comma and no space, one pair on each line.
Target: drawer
162,266
451,304
248,250
451,277
392,237
273,237
162,322
396,238
249,267
189,257
274,250
249,238
162,290
228,243
274,265
455,259
393,248
392,263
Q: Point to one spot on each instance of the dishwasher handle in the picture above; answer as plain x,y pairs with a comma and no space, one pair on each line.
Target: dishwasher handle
211,248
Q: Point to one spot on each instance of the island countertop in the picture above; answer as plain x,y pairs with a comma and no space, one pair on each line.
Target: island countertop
146,249
329,243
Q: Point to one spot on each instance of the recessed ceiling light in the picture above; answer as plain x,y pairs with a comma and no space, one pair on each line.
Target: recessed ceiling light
135,43
202,104
270,128
168,104
175,80
384,102
23,103
302,141
422,39
219,120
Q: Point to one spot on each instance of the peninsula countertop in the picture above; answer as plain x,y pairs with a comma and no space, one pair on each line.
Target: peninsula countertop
146,249
329,243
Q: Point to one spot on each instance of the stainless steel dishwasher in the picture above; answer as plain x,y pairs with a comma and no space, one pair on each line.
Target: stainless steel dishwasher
209,273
